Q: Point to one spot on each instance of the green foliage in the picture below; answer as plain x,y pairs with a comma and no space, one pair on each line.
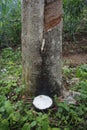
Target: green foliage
73,15
26,126
74,115
17,113
82,72
67,71
10,22
4,124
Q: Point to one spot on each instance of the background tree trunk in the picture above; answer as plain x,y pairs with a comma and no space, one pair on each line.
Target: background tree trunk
41,49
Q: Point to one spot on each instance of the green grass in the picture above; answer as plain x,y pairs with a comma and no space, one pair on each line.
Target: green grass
18,113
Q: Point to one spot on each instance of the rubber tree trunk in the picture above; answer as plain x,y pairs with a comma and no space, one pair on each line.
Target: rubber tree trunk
42,46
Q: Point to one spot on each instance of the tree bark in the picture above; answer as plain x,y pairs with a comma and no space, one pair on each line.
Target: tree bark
52,62
32,35
41,50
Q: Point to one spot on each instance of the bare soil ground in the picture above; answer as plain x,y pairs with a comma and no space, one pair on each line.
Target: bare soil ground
75,53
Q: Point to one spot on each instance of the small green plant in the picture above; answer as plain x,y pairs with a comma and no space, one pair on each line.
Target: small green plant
82,71
67,71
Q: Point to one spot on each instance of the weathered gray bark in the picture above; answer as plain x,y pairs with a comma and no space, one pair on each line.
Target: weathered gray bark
32,35
52,59
41,63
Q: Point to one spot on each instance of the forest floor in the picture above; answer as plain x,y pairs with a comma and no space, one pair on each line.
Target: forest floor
75,53
17,111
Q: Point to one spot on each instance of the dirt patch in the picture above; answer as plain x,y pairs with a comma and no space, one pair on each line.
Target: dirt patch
75,59
75,53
